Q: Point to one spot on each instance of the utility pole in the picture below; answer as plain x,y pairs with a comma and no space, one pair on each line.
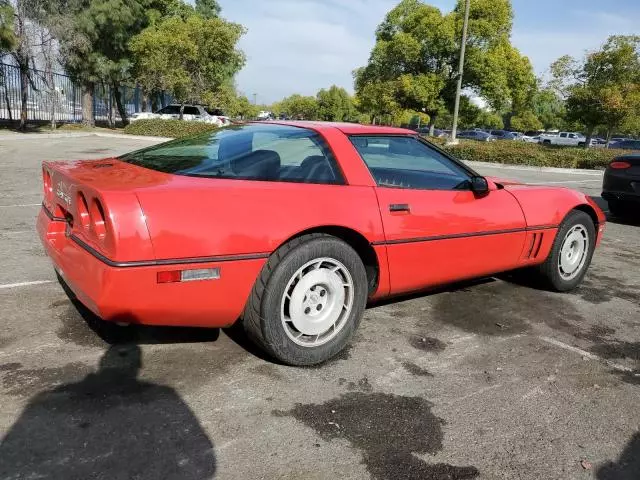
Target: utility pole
463,48
255,98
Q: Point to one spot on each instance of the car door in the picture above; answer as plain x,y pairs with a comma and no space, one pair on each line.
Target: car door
436,229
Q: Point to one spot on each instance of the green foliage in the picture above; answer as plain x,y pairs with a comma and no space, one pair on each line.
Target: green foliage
521,153
549,108
194,58
526,121
7,37
335,104
490,120
414,62
168,128
207,8
299,107
605,89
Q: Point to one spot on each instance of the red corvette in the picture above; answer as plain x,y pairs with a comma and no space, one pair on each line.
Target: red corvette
293,227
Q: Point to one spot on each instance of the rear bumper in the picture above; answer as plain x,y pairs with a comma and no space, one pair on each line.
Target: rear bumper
621,185
131,294
621,196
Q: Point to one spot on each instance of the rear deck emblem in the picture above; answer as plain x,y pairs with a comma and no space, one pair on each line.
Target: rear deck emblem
63,193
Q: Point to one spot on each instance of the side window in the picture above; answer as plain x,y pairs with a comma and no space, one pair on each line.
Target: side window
573,135
272,153
563,135
405,162
170,110
191,111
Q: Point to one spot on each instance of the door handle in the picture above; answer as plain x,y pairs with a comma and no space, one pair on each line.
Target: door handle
399,207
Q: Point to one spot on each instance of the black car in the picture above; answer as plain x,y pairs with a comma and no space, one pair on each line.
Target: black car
621,187
626,145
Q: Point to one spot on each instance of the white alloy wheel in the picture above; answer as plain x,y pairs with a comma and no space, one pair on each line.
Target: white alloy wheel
317,302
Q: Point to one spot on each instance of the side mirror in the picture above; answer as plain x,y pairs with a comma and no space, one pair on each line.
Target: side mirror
479,186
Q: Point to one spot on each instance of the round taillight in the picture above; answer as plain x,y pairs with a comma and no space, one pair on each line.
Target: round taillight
83,211
618,165
98,225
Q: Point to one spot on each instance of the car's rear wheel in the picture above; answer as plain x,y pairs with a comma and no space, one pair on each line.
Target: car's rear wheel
308,300
571,253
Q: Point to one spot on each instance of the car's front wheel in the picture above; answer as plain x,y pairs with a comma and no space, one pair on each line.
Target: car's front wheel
308,300
571,253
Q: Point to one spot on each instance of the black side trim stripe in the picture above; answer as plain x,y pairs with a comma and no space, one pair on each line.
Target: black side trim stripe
464,235
51,216
172,261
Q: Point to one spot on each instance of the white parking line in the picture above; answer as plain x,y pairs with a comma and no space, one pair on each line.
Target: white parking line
584,353
24,284
21,205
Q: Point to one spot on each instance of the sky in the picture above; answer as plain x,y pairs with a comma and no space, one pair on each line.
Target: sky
301,46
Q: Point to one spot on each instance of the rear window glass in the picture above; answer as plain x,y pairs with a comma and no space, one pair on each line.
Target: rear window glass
246,152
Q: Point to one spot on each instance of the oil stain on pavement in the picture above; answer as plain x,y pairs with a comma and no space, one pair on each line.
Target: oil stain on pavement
598,288
415,370
388,429
426,344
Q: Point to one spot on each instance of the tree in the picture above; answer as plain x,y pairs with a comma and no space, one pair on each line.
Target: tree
526,121
7,36
300,107
335,104
194,58
490,120
415,58
605,88
376,98
207,8
506,79
22,42
549,108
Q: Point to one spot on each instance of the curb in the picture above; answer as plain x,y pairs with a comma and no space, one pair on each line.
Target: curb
570,171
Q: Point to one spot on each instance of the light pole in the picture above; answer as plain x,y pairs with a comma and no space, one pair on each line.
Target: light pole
255,98
463,47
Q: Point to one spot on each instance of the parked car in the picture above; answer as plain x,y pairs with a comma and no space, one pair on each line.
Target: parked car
437,133
478,135
194,113
626,145
621,184
504,135
564,138
293,227
528,139
264,115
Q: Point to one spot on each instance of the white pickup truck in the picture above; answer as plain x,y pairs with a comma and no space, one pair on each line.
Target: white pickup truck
564,138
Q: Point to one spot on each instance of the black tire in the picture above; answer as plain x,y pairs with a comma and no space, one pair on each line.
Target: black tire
546,142
262,319
550,271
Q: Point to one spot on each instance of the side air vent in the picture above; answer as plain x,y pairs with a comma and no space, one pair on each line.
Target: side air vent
536,244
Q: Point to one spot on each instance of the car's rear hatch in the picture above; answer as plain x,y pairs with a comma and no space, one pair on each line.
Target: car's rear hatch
98,202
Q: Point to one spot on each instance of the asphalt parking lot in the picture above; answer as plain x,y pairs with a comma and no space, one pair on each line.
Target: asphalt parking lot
489,380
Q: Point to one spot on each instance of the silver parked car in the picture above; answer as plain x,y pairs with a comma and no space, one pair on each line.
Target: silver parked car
477,135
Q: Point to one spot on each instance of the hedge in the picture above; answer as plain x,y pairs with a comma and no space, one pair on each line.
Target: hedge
533,154
168,128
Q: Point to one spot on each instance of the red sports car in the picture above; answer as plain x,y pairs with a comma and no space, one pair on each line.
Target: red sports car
292,227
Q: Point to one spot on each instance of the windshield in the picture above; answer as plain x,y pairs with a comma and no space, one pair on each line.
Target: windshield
250,152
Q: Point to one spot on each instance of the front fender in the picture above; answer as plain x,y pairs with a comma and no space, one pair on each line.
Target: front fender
548,206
